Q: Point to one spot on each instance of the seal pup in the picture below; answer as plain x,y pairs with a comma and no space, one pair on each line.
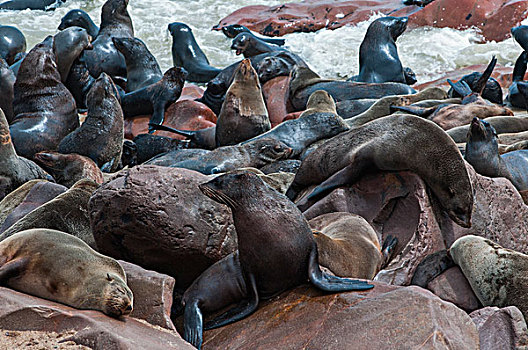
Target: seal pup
79,18
12,43
115,22
243,114
34,262
482,152
319,121
249,45
376,145
231,31
68,212
67,169
155,98
276,252
68,46
187,53
101,136
44,109
7,82
515,97
142,67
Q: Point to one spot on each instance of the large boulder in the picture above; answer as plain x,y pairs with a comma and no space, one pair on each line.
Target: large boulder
453,286
275,92
381,318
157,218
22,312
501,328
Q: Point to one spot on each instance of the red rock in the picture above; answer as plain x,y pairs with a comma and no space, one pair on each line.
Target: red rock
501,328
386,317
452,286
184,114
21,312
293,115
157,218
275,92
152,295
191,92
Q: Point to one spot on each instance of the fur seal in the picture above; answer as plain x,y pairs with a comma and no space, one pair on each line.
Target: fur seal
496,274
149,146
79,82
482,153
492,90
7,83
501,124
44,109
68,212
253,154
282,64
515,97
276,251
282,166
187,53
12,42
304,82
347,245
155,98
67,169
15,197
115,22
68,46
249,45
231,31
319,121
376,145
34,262
142,67
18,5
14,170
170,158
79,18
520,34
100,137
243,114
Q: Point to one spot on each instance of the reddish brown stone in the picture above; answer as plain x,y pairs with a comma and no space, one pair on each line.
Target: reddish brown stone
501,328
184,114
293,115
275,93
152,294
382,318
22,312
452,286
157,218
191,92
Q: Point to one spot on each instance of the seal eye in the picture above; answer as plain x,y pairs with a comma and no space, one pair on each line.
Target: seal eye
108,277
277,148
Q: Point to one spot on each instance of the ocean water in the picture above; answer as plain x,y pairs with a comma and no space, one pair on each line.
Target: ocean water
332,54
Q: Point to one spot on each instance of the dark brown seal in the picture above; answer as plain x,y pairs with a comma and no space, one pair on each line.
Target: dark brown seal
100,137
244,114
12,42
68,46
276,251
79,18
67,169
57,266
45,111
249,45
396,142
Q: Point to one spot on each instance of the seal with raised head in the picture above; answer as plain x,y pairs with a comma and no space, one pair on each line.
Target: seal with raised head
100,137
393,143
282,64
34,262
79,18
12,42
115,22
68,46
244,114
515,97
276,251
249,45
7,82
502,124
142,67
44,109
231,31
187,53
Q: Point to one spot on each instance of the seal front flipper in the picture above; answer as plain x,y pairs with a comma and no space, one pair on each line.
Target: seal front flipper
328,282
193,324
12,269
419,111
242,310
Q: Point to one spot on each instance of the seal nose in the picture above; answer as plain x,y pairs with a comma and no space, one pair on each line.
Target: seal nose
128,308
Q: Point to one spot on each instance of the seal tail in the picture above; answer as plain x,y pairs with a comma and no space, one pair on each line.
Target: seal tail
479,86
520,67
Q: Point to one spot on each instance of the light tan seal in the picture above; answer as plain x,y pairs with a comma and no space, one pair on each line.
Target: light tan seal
57,266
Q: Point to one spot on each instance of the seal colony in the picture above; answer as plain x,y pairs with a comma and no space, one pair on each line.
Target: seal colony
284,195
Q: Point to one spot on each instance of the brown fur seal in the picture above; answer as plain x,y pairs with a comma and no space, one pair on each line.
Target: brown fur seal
45,111
501,124
68,46
347,245
12,43
79,18
67,169
249,45
14,170
276,251
233,30
67,212
244,114
396,142
101,136
57,266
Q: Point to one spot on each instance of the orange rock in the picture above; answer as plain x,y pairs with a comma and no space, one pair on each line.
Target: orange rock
191,92
184,114
275,93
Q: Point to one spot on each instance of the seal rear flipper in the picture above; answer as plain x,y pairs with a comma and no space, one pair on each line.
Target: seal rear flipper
479,86
460,87
520,67
12,269
157,118
242,310
387,250
430,267
193,324
419,111
328,282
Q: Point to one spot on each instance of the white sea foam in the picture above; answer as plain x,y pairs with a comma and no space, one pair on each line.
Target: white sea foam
333,54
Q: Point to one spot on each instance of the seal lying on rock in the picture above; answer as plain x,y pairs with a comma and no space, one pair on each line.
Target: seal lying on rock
57,266
276,251
396,142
